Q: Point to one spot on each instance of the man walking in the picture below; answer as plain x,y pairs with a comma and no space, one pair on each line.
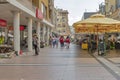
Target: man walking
35,42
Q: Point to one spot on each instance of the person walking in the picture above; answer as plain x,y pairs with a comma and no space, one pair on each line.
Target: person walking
57,41
93,46
67,41
53,42
35,44
50,41
61,40
101,47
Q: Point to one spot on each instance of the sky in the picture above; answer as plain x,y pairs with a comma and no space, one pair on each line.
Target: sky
76,8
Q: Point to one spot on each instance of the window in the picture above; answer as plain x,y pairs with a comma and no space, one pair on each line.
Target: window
41,28
57,19
59,25
42,5
44,10
63,20
63,25
63,17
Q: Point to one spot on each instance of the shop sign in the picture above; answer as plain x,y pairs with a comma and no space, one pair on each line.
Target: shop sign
39,14
3,23
22,28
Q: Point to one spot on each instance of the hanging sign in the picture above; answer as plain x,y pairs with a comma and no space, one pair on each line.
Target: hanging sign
3,23
39,14
22,28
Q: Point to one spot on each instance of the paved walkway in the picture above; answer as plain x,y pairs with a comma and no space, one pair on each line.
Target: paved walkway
55,64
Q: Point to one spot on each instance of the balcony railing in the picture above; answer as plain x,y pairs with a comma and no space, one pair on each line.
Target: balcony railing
28,4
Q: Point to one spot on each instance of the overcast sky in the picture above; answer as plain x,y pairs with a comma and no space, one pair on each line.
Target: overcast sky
76,8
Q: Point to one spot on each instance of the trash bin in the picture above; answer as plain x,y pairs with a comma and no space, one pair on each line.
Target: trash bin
84,45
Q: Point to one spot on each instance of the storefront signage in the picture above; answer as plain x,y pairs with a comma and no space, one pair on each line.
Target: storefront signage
22,28
3,23
39,14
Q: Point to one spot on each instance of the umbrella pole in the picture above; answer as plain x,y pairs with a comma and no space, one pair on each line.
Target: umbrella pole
97,39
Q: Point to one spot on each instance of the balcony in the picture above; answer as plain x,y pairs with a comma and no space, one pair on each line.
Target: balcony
28,4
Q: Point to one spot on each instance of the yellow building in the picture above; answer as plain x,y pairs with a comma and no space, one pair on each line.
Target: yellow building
47,9
43,6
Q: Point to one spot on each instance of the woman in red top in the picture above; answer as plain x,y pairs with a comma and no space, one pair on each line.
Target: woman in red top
61,41
67,41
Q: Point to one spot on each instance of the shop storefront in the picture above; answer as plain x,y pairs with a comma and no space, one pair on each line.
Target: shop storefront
3,26
17,22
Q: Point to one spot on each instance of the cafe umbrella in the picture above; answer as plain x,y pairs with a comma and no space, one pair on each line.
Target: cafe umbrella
97,22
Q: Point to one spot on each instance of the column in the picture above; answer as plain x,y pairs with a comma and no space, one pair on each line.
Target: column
6,34
16,25
43,33
50,31
30,34
38,33
48,35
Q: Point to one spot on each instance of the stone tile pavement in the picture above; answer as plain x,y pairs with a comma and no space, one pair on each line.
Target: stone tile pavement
55,64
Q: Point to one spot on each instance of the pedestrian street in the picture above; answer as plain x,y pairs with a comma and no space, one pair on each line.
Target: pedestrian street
54,64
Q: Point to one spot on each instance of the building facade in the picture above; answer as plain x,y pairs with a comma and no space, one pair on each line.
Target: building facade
110,6
34,14
62,22
55,23
47,9
112,9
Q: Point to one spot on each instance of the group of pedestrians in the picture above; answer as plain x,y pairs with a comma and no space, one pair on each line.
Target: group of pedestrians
55,40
